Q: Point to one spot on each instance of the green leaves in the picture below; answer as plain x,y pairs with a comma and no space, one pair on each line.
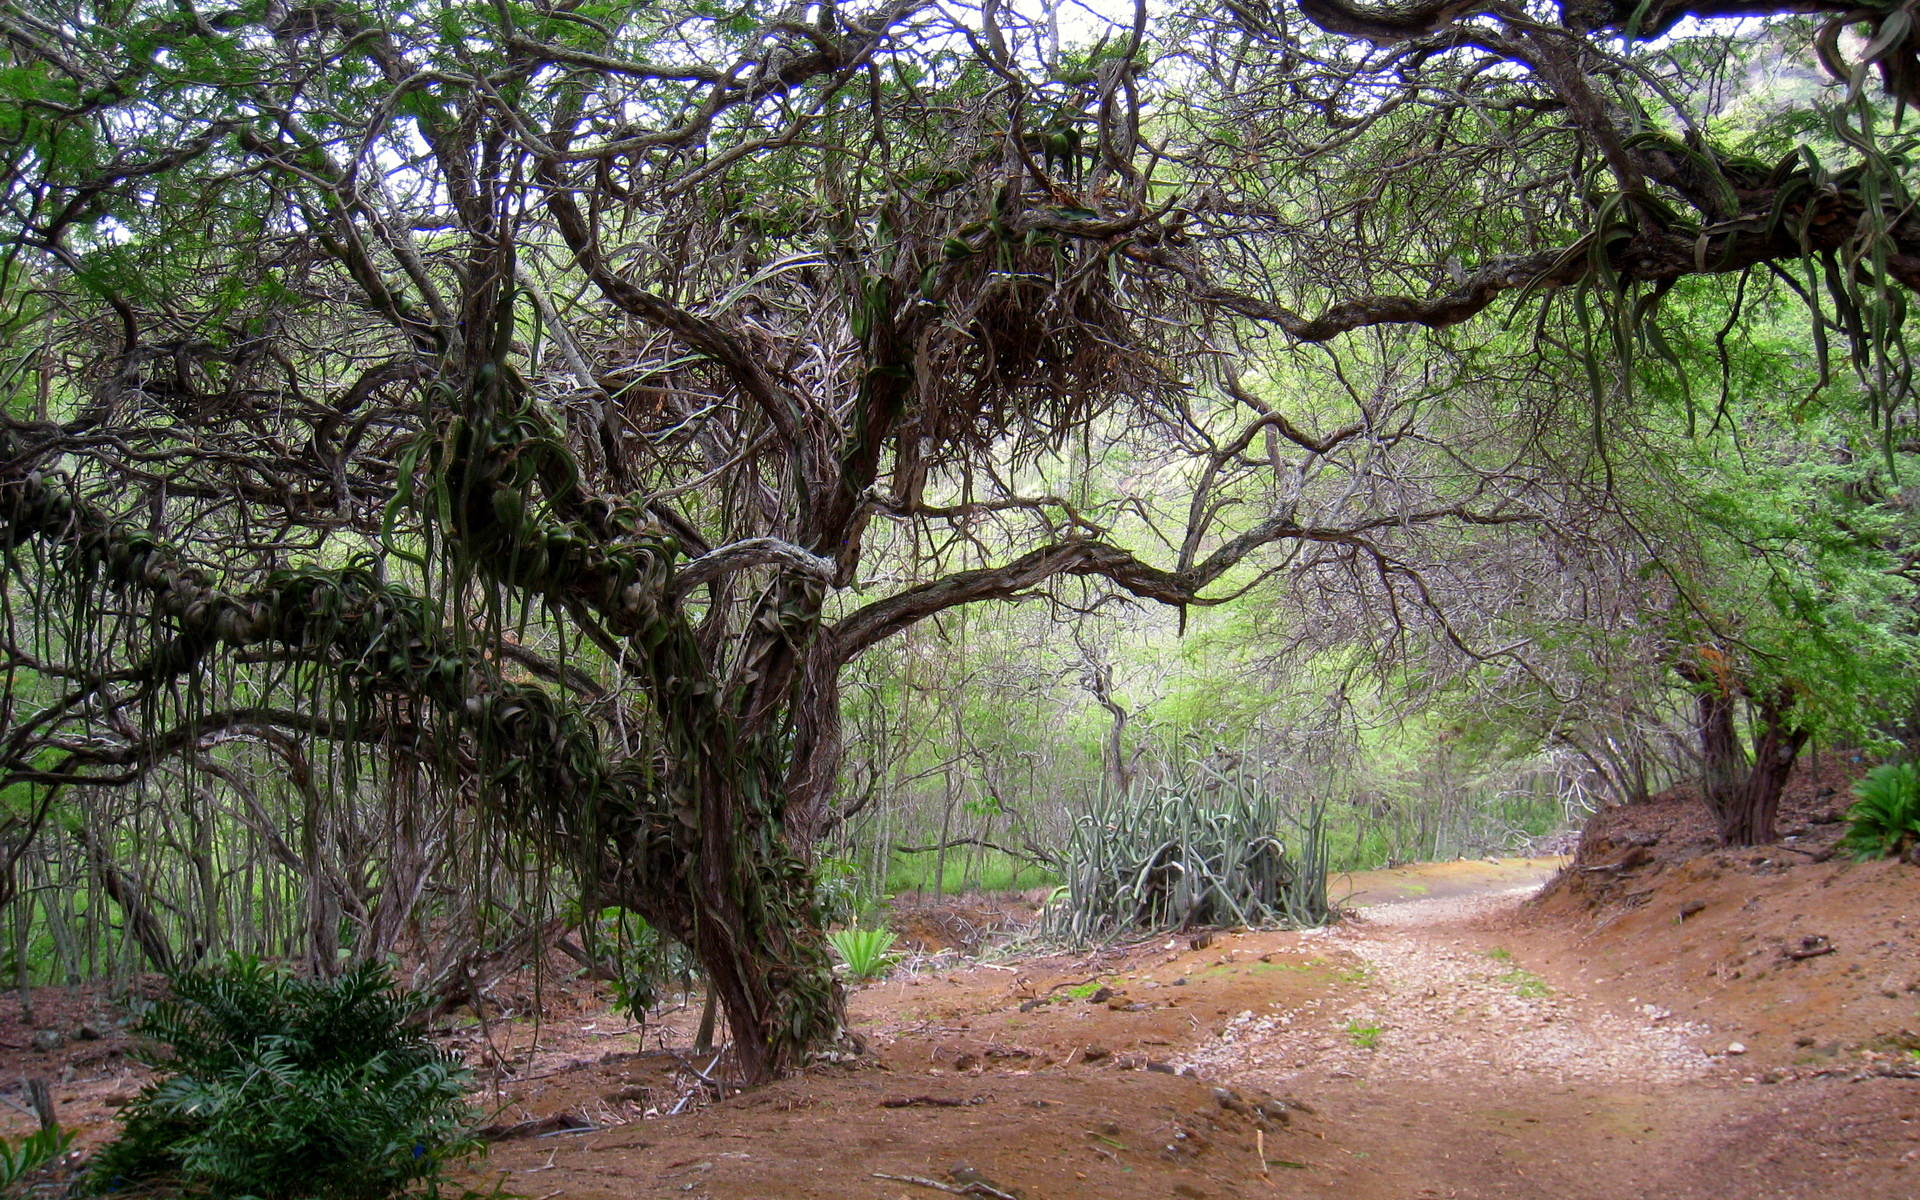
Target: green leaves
1181,854
32,1152
278,1087
1884,819
863,951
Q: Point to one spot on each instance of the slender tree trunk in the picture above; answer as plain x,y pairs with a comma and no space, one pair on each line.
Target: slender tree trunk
125,891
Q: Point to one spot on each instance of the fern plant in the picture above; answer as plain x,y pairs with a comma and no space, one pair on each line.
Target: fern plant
865,951
34,1151
1885,816
279,1088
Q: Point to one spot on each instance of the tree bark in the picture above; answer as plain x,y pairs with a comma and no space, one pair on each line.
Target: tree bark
1742,792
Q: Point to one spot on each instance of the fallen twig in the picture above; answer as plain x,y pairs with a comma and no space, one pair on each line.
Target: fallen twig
1809,947
973,1188
537,1127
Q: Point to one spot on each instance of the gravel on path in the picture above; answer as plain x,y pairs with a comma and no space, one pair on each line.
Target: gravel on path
1432,1006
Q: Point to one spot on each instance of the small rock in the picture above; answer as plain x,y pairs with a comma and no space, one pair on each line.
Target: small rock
1691,907
1736,1048
1101,995
1094,1053
46,1041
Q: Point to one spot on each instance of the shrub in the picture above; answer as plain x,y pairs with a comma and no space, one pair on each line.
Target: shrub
34,1151
1206,852
863,950
278,1087
1885,816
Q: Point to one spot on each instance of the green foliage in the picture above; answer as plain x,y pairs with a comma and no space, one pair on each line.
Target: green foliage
865,951
1364,1034
278,1087
989,871
645,962
1525,984
34,1151
1885,816
1207,852
836,889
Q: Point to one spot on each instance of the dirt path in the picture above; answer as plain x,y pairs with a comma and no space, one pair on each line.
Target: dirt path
1481,1057
1467,877
1441,1002
1435,1047
1447,1043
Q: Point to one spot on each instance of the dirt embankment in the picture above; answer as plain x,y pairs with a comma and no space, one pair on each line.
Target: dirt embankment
1804,957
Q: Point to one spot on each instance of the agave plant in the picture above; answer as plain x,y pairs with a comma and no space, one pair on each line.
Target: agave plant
1885,816
1203,852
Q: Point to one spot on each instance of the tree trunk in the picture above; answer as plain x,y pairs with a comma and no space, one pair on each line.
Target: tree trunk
1748,818
1724,769
125,890
724,881
1743,793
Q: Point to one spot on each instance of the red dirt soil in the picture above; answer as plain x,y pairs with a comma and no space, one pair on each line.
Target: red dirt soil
1481,1044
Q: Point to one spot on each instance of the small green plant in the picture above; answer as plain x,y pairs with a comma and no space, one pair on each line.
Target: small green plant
836,888
645,965
865,951
34,1151
1500,954
1526,984
275,1088
1885,817
1364,1034
1084,991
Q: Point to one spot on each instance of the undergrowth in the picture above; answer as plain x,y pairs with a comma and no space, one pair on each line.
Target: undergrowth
280,1088
864,951
1204,851
1885,817
36,1150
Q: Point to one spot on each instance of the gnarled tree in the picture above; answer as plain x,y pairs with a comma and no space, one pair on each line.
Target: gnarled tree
553,398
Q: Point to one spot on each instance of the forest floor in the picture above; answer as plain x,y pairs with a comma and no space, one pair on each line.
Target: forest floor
1666,1018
